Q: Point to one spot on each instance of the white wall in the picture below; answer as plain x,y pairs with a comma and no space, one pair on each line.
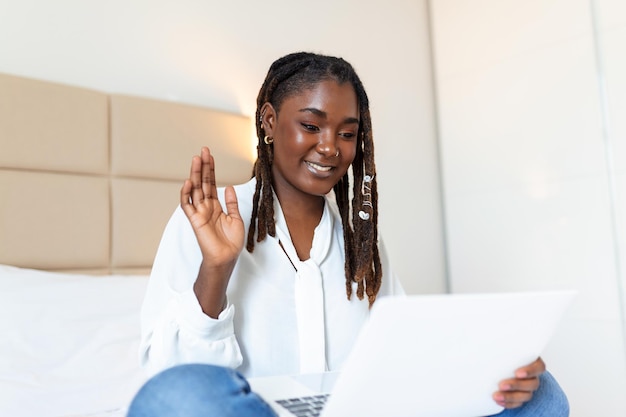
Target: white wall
534,181
216,53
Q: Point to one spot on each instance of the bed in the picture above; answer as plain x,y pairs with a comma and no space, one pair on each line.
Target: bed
88,180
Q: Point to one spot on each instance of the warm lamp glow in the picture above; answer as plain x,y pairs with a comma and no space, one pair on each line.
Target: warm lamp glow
253,143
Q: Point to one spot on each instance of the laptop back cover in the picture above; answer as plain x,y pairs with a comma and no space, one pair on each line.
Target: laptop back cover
443,355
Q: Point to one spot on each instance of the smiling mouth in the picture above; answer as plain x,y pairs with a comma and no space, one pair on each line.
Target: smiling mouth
319,168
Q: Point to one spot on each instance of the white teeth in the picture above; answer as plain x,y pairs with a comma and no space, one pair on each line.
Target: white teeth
319,167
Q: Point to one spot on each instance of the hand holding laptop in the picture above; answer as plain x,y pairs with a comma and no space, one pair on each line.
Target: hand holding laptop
514,392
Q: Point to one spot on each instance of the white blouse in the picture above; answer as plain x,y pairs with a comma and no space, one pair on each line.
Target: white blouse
284,316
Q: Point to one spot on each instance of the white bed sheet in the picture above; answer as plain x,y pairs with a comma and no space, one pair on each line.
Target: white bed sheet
68,343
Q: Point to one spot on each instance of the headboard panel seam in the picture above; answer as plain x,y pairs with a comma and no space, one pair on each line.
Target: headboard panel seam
89,179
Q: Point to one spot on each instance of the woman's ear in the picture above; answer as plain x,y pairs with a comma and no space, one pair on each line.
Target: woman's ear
268,118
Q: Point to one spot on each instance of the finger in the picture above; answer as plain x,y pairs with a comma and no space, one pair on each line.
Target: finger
533,370
185,198
512,399
516,391
195,176
208,173
232,207
527,384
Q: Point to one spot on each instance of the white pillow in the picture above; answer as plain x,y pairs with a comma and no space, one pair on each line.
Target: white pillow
69,342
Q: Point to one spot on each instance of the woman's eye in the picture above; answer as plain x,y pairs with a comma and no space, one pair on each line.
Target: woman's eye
347,135
310,128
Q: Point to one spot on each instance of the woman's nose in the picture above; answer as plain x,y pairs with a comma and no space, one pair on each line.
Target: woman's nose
327,147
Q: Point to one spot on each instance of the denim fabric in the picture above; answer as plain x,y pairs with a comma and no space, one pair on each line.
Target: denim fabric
213,391
198,391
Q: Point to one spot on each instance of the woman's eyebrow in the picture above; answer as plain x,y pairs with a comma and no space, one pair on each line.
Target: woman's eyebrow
322,114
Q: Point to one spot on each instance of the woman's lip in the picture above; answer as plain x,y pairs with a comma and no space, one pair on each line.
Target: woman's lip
317,168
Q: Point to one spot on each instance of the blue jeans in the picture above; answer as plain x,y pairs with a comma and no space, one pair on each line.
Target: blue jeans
212,391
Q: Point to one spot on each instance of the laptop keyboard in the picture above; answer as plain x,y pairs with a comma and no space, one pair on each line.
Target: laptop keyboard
309,406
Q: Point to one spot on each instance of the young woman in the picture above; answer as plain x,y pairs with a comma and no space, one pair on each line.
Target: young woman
295,298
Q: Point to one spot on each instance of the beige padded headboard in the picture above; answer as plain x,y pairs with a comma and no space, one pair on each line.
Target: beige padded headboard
88,179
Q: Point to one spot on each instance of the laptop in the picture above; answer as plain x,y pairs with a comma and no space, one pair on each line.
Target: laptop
427,356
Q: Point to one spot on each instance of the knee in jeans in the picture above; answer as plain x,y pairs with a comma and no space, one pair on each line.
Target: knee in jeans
191,387
554,395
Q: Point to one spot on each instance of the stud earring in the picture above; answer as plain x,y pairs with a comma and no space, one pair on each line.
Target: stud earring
268,140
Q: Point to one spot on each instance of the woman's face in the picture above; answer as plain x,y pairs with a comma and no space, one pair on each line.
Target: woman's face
315,137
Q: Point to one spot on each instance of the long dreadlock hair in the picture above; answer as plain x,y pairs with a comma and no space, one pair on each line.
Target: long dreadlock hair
291,75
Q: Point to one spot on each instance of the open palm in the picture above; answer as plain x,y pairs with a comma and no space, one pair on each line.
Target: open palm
220,234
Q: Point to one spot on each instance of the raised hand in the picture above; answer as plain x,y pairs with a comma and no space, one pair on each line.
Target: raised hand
220,234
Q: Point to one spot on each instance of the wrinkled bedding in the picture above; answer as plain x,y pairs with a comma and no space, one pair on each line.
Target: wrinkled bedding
69,343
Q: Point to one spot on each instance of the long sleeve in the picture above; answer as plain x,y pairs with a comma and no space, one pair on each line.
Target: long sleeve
174,328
